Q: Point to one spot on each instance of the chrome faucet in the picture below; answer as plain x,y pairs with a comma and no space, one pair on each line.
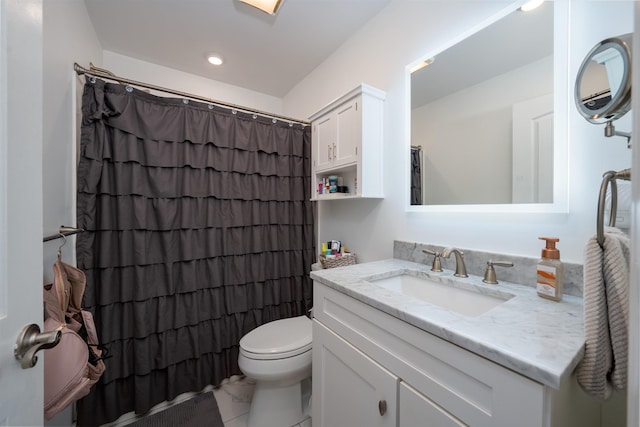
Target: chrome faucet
490,272
436,266
461,269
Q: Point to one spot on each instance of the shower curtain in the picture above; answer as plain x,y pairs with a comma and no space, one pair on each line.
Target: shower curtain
416,176
198,229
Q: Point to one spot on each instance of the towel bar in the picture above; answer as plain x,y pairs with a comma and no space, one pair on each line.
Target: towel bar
609,179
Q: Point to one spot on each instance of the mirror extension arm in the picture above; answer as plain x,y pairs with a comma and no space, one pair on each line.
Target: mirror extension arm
610,130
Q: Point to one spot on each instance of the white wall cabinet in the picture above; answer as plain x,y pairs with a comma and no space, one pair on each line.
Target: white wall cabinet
362,356
347,142
336,135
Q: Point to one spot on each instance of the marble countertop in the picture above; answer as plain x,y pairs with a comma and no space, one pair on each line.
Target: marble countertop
538,338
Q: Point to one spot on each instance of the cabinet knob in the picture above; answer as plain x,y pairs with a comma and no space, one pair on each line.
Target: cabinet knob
382,407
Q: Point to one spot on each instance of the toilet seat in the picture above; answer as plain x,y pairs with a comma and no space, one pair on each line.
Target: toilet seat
278,339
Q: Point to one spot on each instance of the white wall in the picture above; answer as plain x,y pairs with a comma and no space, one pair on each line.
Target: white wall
378,54
135,69
68,37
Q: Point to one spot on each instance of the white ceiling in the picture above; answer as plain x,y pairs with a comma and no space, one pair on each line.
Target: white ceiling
268,54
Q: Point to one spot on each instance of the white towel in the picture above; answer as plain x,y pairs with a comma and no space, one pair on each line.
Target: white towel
606,315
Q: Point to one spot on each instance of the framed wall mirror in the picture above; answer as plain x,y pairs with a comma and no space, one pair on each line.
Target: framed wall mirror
484,119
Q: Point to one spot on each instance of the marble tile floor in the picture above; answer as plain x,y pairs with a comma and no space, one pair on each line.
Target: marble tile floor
234,399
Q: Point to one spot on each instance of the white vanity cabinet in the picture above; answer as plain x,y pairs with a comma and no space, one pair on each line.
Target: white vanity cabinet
417,410
355,390
363,357
347,142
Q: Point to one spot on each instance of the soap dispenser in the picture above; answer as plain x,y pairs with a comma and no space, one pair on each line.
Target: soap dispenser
550,272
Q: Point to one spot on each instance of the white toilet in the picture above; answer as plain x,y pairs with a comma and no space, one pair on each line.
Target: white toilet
278,356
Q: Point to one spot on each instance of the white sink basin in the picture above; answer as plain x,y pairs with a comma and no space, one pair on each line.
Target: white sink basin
464,298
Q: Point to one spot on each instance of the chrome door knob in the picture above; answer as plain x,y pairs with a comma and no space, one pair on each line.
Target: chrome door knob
30,341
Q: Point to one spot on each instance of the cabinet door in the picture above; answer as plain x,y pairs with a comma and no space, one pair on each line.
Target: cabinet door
348,134
324,140
349,389
415,409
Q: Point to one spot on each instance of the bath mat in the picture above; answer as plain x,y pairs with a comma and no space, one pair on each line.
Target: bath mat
200,410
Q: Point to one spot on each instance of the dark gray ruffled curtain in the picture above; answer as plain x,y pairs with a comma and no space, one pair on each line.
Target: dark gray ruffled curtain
416,177
198,229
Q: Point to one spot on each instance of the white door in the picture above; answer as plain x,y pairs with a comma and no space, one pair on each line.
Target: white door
633,394
21,390
533,151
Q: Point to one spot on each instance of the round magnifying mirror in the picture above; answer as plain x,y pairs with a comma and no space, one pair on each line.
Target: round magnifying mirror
603,85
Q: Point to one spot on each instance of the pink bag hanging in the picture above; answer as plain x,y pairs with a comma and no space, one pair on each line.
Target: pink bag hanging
76,363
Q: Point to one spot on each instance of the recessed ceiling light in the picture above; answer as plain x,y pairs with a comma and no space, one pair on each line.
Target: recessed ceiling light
530,5
267,6
214,59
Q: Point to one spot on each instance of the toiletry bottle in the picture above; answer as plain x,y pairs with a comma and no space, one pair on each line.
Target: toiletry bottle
550,272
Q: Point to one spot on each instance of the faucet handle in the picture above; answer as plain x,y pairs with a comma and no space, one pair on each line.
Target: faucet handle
490,273
437,265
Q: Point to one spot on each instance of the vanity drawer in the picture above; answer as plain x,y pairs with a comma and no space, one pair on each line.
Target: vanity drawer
470,388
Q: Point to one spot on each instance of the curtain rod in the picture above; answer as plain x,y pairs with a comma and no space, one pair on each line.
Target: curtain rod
64,231
106,74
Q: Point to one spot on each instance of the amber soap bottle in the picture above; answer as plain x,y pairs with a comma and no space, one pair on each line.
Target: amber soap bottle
550,272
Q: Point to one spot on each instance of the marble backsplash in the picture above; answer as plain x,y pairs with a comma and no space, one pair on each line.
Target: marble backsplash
523,271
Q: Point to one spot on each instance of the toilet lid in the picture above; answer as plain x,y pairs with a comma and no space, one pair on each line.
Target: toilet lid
278,339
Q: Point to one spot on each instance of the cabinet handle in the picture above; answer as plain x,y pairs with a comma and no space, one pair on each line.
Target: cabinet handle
382,407
328,151
334,150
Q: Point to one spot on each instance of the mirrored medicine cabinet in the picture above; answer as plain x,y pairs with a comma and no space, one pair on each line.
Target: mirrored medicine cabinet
488,118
